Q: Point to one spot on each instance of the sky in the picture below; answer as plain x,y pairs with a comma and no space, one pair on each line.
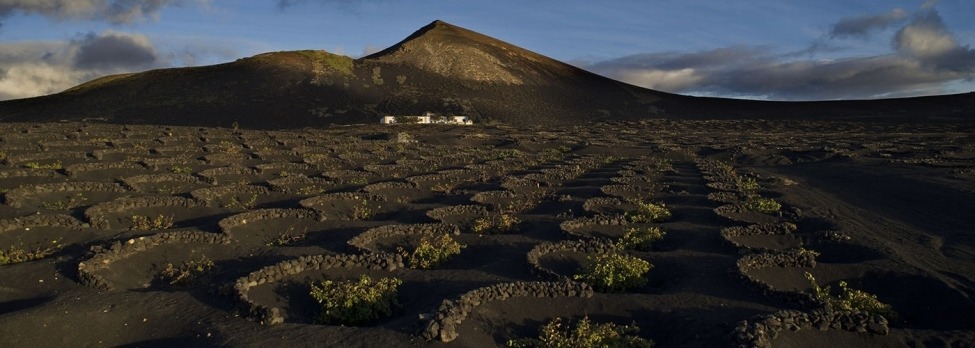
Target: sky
755,49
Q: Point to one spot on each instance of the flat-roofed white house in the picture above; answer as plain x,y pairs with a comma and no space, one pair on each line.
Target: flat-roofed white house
427,118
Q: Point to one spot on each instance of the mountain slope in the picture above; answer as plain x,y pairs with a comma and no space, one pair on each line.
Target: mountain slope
440,68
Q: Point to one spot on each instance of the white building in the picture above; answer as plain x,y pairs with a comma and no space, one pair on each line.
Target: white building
430,118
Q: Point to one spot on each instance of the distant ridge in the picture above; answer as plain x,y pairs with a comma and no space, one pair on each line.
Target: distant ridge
440,67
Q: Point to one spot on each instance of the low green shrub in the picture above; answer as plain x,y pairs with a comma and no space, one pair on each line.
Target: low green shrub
37,165
584,334
188,273
648,212
145,223
640,238
356,302
19,254
290,237
432,251
614,272
494,224
238,203
181,170
746,184
763,205
67,203
850,299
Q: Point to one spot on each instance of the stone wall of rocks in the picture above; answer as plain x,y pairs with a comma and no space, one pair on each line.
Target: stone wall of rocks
75,169
768,229
759,332
102,257
388,185
133,182
534,257
572,227
281,270
22,158
55,220
228,223
212,195
29,172
364,240
317,201
211,175
100,154
443,212
16,197
283,166
443,325
599,205
97,214
282,184
226,158
161,163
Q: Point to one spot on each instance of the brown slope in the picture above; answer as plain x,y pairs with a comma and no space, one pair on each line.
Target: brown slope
268,90
497,80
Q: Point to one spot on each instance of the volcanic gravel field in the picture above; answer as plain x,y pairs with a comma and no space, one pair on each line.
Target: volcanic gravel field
103,210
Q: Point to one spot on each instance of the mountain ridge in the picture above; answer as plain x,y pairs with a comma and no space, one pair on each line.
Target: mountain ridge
441,68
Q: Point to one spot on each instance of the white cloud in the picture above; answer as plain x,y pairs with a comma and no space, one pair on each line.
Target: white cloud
112,11
862,25
926,60
667,80
29,69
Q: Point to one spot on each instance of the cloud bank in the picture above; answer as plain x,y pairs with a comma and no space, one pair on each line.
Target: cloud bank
112,11
924,58
36,68
29,69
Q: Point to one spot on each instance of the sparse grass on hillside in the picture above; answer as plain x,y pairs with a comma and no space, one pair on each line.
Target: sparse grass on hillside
340,63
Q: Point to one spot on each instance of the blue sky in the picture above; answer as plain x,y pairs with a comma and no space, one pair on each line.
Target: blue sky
762,49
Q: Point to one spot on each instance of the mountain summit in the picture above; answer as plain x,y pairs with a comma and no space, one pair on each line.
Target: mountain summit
440,68
461,54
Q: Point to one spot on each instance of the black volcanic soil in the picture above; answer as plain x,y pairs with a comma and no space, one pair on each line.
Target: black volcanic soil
888,207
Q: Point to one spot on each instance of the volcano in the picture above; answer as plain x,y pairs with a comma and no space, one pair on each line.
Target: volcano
441,68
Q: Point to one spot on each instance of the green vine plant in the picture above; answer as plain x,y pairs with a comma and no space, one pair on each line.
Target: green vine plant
355,302
614,272
145,223
181,170
850,299
312,190
746,184
67,203
763,205
38,165
287,238
19,253
432,252
647,213
362,211
584,334
238,203
494,224
188,273
640,239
